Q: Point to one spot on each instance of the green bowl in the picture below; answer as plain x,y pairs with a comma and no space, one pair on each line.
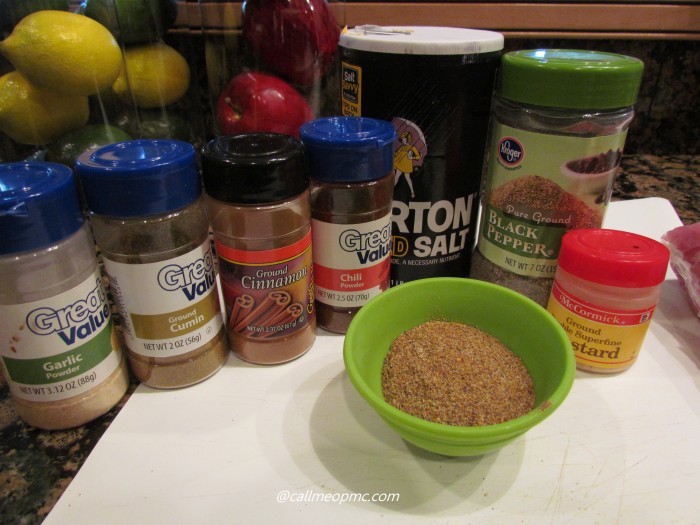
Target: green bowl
518,322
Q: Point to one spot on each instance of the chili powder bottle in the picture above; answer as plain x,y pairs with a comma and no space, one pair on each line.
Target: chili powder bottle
350,161
605,291
257,198
58,344
148,218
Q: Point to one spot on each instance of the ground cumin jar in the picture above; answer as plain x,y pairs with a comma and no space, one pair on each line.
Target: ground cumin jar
60,353
148,218
257,199
558,127
605,291
350,161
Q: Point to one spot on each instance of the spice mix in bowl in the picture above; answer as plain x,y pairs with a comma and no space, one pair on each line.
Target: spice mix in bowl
513,368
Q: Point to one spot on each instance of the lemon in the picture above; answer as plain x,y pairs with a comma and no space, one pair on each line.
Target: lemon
153,76
63,51
31,115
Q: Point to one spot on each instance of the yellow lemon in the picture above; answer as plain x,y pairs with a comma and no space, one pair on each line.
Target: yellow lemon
66,52
153,76
31,115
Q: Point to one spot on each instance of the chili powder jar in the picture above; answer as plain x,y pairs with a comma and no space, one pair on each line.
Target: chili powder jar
605,291
147,214
257,198
558,126
58,345
350,161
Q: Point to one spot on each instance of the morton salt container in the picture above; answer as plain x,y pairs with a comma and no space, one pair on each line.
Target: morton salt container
435,85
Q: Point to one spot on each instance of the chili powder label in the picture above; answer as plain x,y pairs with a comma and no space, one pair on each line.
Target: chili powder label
356,267
61,346
601,337
268,293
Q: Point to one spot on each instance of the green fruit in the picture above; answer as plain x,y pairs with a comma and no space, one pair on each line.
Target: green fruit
133,21
67,148
15,10
156,124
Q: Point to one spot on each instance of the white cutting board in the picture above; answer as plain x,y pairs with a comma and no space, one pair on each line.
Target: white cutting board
621,449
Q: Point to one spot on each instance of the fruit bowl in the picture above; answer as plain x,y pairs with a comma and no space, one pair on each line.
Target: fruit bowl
523,326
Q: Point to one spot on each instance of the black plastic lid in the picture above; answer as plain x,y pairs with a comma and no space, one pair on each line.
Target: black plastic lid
254,168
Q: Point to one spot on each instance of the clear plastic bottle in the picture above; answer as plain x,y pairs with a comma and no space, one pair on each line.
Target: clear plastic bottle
352,184
148,218
558,128
605,291
257,198
60,352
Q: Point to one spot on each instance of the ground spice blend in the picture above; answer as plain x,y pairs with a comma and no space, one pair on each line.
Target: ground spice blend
59,349
148,218
605,292
257,200
434,84
350,161
558,127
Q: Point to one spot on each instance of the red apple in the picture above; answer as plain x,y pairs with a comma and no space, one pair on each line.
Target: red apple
255,101
297,39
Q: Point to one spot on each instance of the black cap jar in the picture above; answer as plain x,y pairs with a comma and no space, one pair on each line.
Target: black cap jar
257,198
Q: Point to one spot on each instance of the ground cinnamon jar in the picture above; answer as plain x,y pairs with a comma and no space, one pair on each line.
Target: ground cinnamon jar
605,292
352,187
257,199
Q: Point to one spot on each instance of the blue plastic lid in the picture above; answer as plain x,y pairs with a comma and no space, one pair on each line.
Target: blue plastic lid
349,149
139,177
39,206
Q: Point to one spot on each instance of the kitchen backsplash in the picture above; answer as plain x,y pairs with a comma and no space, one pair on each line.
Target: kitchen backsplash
667,120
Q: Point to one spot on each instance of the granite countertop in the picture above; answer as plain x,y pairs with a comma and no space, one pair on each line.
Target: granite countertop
36,466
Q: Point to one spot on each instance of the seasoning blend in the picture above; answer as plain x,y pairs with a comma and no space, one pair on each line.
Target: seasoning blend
605,291
148,218
60,353
434,84
559,123
257,197
350,162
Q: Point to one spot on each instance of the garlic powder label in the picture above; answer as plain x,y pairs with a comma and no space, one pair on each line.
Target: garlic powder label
61,346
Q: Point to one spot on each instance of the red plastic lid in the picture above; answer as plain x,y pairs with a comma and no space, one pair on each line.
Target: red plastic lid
614,258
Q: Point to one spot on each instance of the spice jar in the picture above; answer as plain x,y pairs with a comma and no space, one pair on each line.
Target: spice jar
350,161
257,198
60,353
558,126
605,291
148,218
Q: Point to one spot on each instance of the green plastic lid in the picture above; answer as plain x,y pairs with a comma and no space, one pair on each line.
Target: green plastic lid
565,78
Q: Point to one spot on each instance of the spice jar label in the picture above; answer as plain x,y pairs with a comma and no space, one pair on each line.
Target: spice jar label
61,346
170,307
538,187
602,337
357,267
269,294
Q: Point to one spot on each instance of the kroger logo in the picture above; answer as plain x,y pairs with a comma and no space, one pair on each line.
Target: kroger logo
510,151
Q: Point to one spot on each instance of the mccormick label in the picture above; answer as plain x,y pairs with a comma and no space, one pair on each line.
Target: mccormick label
601,337
170,307
354,267
62,346
268,294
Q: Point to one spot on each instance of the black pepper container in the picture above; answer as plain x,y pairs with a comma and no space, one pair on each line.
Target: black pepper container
351,194
257,199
